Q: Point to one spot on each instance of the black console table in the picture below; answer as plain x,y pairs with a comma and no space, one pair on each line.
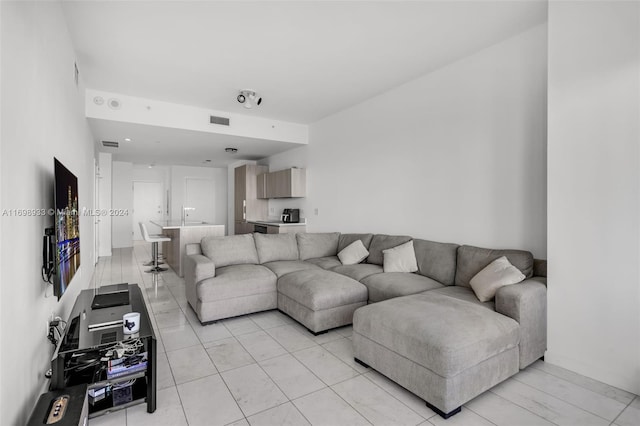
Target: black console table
82,355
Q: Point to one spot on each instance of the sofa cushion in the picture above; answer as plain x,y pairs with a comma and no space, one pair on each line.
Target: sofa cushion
346,239
283,267
236,281
472,260
273,247
464,293
441,333
401,258
359,271
498,273
230,250
320,289
436,260
325,262
313,246
381,242
353,254
393,284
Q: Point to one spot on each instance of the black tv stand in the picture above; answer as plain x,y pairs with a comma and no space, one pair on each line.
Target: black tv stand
80,356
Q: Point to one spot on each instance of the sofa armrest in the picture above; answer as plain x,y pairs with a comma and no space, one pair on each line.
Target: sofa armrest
196,268
526,303
193,248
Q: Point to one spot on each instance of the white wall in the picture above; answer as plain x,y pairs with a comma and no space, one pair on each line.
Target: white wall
122,199
457,155
594,190
42,117
104,200
218,190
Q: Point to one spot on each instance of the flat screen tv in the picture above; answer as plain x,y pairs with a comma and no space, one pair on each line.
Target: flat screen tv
67,228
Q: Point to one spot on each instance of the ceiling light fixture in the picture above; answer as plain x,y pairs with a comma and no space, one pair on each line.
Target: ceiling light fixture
231,150
248,98
127,139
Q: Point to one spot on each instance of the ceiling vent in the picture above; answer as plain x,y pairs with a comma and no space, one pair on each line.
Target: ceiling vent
110,144
218,120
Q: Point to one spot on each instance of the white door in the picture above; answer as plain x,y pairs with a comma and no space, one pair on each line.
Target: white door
200,195
147,206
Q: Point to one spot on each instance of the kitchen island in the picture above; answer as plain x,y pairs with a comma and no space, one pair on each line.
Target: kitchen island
277,227
183,233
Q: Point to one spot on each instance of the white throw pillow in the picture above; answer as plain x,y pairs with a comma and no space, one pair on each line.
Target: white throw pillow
497,274
353,253
401,258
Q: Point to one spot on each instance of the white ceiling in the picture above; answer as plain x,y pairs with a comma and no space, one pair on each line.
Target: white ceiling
307,59
166,145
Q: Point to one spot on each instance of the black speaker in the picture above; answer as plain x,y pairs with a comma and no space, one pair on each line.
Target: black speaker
62,407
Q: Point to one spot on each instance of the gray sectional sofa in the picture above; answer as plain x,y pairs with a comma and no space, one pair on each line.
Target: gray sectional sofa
425,330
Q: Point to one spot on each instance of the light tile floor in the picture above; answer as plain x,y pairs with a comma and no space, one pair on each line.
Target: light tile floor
265,369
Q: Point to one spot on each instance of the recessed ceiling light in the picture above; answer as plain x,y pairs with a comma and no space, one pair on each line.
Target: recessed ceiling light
127,139
231,150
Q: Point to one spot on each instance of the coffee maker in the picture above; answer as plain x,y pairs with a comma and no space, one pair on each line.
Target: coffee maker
291,215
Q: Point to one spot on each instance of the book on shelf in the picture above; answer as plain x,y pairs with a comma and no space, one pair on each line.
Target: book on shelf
127,365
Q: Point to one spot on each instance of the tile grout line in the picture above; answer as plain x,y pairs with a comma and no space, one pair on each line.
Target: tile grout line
534,366
623,410
518,405
482,417
165,352
560,399
393,396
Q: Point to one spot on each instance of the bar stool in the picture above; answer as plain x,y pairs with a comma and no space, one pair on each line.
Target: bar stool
154,240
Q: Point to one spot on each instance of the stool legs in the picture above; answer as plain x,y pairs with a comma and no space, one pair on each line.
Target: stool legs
154,258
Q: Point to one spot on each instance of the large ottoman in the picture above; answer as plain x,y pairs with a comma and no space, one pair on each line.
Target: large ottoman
445,350
319,299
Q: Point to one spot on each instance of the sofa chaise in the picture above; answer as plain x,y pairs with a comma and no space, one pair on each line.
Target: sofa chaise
426,329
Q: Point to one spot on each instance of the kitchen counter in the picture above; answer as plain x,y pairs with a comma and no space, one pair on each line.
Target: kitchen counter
277,227
190,232
175,224
277,223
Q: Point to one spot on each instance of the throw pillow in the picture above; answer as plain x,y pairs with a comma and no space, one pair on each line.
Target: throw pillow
401,258
353,253
497,274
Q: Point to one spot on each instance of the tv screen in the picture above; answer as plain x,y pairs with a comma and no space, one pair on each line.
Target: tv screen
67,227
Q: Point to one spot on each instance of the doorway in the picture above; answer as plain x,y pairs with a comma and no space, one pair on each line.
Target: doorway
147,205
200,194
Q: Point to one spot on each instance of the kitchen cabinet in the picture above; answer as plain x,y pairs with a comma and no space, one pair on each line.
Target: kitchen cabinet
290,229
261,190
277,227
246,204
288,183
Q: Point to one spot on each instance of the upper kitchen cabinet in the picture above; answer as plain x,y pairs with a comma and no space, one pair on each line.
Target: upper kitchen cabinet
247,206
288,183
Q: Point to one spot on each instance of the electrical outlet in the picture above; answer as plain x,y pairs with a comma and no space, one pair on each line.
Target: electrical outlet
272,210
315,211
